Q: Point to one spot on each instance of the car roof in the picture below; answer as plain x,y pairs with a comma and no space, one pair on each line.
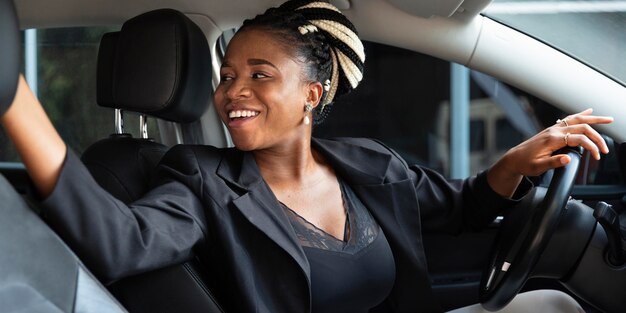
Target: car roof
224,13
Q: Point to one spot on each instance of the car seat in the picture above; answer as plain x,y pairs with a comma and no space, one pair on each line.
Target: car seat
38,272
158,64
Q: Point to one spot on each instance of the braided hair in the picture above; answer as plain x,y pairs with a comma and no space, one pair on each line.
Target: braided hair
318,33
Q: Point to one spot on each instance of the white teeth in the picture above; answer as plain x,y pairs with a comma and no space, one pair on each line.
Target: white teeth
242,113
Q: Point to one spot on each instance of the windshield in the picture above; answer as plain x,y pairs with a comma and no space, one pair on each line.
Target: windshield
593,32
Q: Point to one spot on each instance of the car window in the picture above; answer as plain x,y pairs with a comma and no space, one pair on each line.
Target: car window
404,102
60,65
477,135
593,31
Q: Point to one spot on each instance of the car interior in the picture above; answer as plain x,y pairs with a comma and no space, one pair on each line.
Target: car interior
574,244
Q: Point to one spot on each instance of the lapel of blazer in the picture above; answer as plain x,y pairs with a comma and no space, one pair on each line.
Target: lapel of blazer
259,205
359,166
393,203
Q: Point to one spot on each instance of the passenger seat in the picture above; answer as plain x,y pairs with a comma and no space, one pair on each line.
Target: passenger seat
158,64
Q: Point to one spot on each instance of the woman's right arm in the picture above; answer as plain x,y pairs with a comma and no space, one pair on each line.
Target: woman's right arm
114,239
39,145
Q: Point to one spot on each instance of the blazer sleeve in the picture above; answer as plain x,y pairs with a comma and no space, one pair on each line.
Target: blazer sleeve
116,240
453,206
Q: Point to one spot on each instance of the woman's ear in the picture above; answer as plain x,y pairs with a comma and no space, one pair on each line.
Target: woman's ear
315,92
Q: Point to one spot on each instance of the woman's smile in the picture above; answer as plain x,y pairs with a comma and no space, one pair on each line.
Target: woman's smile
237,118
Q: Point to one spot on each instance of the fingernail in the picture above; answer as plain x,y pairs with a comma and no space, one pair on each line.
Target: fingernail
564,161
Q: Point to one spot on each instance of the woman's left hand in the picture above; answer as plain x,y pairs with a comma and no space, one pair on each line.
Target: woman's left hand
535,156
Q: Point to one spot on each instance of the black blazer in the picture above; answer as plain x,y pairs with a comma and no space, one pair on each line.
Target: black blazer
214,203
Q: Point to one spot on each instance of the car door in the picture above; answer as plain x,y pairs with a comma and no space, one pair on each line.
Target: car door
38,272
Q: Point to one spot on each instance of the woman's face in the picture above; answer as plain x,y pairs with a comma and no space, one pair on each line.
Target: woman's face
261,95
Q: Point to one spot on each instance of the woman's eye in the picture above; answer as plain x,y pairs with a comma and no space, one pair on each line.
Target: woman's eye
259,75
225,78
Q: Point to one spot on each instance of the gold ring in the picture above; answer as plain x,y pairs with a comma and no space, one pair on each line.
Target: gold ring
565,138
564,121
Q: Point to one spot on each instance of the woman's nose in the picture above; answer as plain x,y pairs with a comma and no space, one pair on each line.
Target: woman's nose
237,89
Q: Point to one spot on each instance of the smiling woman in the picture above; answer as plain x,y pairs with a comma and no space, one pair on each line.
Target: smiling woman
256,97
296,224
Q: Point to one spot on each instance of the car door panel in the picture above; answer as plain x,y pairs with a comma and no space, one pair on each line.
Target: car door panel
37,270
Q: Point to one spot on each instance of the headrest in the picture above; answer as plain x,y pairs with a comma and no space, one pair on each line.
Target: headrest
158,64
9,52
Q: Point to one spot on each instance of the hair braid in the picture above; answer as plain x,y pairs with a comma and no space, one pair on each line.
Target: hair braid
292,5
323,14
346,45
325,39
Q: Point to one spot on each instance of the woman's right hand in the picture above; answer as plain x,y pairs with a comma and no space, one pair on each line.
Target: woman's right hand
39,145
536,155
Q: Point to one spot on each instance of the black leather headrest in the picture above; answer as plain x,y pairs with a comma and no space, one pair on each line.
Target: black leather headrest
158,64
9,52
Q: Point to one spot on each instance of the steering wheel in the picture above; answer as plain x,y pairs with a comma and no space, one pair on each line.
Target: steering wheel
523,237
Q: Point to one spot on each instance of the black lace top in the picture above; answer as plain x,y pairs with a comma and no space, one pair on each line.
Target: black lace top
350,275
